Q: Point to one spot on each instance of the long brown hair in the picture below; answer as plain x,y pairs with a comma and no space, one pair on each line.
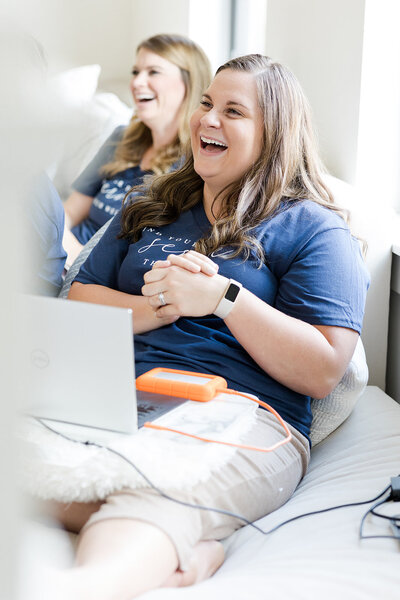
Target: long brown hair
196,75
288,168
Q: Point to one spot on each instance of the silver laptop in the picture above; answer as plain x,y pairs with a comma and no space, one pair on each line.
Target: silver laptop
77,370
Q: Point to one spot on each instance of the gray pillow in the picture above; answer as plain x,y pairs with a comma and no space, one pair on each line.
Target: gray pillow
80,259
329,412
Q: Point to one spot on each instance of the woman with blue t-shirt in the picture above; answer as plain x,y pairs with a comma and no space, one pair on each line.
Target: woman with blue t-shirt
169,76
239,265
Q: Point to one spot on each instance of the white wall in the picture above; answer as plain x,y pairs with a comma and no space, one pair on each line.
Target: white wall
105,32
249,31
209,26
207,22
150,17
378,172
321,42
346,55
79,32
378,156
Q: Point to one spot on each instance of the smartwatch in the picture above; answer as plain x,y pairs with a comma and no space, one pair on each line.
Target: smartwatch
227,301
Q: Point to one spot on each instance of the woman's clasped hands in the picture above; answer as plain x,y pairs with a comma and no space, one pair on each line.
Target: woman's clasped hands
184,285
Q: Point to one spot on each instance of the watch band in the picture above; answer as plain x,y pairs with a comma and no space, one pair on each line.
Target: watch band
227,301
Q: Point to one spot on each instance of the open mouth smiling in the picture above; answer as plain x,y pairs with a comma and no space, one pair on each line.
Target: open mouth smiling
143,98
211,145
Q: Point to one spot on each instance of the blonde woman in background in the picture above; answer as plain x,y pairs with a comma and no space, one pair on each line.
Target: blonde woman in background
169,75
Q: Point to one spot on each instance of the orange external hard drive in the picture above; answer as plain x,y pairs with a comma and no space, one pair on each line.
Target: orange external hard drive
184,384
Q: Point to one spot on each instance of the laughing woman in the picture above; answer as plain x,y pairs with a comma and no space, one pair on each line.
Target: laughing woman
169,75
239,264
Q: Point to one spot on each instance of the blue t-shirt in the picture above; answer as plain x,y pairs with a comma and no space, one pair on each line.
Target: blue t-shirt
107,192
46,220
313,271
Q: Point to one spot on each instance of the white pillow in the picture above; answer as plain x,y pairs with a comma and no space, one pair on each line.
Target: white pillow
85,119
331,411
76,85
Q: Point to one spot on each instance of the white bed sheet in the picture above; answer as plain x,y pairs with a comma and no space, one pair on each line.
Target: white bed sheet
321,556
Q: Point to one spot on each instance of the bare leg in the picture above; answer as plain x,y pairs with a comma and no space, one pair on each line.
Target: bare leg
207,557
117,559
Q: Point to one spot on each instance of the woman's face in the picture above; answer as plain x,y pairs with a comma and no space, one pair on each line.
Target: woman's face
227,129
157,89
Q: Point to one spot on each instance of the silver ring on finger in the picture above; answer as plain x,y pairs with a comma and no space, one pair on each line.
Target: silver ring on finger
161,299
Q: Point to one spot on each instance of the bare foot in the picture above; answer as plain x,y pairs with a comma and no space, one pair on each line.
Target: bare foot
207,557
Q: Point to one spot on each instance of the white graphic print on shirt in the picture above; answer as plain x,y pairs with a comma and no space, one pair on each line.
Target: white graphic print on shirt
169,245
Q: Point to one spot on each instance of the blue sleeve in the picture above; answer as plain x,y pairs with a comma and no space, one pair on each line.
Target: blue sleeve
90,180
103,263
46,214
327,281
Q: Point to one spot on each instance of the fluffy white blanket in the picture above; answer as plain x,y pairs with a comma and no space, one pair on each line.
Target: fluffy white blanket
52,467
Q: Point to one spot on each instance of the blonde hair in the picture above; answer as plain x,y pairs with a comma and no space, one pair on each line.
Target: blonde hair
288,168
196,76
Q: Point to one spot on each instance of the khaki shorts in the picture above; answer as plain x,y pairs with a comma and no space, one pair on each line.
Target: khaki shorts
251,484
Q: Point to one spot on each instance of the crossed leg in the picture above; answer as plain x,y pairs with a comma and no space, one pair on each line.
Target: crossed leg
119,559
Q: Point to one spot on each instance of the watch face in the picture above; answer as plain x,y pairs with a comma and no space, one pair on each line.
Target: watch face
232,292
